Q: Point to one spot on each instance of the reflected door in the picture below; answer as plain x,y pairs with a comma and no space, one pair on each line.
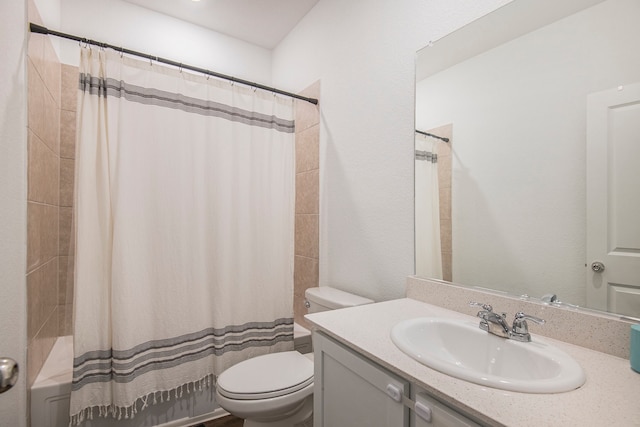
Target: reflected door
613,200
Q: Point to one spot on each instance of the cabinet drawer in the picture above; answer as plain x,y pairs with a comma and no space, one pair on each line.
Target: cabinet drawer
429,412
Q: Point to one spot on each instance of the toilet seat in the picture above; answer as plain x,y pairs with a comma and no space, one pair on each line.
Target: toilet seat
267,376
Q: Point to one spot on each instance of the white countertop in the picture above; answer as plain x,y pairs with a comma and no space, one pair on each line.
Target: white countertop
610,396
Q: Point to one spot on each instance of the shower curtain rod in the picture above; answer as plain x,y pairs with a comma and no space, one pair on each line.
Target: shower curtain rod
441,138
39,29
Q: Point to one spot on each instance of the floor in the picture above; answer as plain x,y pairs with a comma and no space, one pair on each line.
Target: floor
228,421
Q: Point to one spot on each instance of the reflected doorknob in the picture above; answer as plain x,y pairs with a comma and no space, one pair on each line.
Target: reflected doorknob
8,374
597,266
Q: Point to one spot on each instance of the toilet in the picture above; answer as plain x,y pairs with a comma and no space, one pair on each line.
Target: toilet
276,390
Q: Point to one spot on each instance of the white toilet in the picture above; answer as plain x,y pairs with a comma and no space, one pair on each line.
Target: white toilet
276,390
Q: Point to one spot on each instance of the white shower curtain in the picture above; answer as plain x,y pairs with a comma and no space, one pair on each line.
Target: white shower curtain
185,221
427,220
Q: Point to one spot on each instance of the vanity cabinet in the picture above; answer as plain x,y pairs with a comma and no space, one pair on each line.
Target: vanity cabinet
351,390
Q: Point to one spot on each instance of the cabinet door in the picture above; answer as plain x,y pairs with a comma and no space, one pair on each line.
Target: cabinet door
352,391
428,412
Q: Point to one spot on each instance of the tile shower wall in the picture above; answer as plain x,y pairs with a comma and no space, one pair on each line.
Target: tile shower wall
307,200
66,247
444,186
43,198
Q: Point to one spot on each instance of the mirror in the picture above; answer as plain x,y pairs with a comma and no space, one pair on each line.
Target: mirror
540,102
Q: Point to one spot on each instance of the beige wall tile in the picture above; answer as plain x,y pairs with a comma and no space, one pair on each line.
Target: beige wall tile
67,240
51,73
444,173
307,114
65,279
445,236
307,192
68,134
66,182
445,202
36,50
36,91
42,234
65,320
306,272
44,91
51,123
312,91
42,296
307,149
306,275
307,236
443,149
69,87
447,266
43,166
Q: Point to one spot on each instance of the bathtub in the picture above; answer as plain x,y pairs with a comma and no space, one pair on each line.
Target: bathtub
52,388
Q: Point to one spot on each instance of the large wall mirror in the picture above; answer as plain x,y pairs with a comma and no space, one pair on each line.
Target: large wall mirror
528,154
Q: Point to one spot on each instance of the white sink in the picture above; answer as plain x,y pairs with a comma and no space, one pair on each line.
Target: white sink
461,349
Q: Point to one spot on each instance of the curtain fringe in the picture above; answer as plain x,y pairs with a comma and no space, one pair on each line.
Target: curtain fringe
127,412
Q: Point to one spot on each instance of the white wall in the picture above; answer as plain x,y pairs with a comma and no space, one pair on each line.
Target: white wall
13,204
124,24
519,126
363,52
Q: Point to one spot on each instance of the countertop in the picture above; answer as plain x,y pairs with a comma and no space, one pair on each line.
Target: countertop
609,396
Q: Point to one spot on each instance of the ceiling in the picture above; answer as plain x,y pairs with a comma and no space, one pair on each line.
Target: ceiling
261,22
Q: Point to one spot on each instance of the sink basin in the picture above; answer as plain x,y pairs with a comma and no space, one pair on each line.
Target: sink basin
461,349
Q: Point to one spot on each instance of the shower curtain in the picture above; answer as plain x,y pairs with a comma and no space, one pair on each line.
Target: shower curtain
185,221
427,220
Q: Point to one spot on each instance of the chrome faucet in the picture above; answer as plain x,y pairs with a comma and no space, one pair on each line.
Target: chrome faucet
491,322
496,324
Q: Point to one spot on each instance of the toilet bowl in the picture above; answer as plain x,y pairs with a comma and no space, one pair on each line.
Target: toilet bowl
276,390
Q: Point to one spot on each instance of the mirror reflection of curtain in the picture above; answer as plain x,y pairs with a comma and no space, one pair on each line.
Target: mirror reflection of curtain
427,220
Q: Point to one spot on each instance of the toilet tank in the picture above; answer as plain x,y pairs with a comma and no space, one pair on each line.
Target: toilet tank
327,298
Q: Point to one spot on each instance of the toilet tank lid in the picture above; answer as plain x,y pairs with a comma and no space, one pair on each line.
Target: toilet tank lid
334,298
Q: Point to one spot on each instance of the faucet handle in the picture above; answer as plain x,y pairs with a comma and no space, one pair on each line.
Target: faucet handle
520,316
520,329
484,306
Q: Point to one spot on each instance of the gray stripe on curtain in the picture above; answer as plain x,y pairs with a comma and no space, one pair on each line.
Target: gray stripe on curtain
149,96
101,367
